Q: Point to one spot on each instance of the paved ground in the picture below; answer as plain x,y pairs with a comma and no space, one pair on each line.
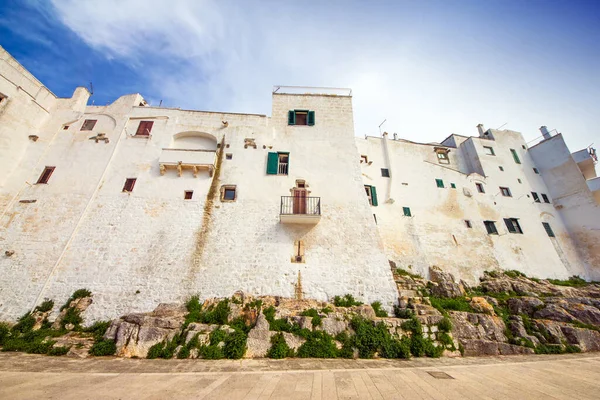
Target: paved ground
517,377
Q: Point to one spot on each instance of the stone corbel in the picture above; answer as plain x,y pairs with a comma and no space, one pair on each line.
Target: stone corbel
163,169
179,169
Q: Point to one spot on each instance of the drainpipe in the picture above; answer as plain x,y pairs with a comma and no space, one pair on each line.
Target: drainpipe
386,156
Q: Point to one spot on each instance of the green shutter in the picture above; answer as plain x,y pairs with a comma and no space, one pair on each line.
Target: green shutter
311,118
515,156
272,162
453,186
406,211
374,196
439,183
291,117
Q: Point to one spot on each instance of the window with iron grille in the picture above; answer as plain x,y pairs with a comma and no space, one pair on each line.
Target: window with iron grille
545,198
88,124
512,224
490,227
505,191
46,174
548,229
129,184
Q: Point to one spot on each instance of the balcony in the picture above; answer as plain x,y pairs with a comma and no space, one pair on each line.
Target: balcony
192,159
300,210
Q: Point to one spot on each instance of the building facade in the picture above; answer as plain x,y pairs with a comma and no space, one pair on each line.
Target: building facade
144,204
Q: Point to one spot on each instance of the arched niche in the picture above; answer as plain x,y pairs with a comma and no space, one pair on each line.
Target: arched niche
193,140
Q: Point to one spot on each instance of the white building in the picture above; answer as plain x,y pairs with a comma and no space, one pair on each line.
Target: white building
144,204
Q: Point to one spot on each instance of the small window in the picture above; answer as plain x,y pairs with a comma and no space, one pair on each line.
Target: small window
300,184
301,117
371,194
519,180
439,183
512,224
45,176
524,147
443,157
545,198
65,127
536,198
144,128
385,172
364,159
501,168
228,156
188,194
489,150
129,184
548,229
453,185
375,218
406,211
480,187
505,191
490,227
515,156
88,124
278,163
536,171
468,224
228,193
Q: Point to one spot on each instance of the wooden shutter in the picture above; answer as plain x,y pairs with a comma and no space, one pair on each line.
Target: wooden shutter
291,117
311,118
144,128
374,196
272,162
45,176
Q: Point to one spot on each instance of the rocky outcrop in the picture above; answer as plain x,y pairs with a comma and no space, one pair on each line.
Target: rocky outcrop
134,334
444,284
524,305
259,339
79,305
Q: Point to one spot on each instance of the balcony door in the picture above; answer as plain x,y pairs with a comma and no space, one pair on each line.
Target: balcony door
299,200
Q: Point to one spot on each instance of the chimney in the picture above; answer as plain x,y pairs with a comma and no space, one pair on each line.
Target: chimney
480,129
545,132
395,136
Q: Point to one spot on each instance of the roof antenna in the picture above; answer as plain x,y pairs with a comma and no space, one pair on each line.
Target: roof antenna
160,104
381,125
91,89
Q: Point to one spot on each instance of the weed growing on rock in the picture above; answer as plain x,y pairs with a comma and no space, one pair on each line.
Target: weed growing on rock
279,347
445,325
45,306
574,281
346,301
379,312
78,294
4,332
235,345
455,304
314,314
319,344
103,347
403,272
403,313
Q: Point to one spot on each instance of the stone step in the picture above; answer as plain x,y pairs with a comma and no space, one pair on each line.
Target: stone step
407,293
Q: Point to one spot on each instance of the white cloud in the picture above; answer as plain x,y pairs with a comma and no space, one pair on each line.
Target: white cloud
427,72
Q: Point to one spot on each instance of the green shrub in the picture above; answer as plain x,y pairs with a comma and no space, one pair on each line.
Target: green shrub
368,337
417,345
156,350
413,325
78,294
239,324
445,339
314,314
327,310
235,345
279,348
346,301
72,316
445,325
184,352
45,306
4,332
393,348
379,312
98,329
433,351
514,274
217,314
403,272
58,351
574,281
456,304
256,304
217,336
403,313
106,348
194,308
548,349
347,342
24,324
211,352
569,348
277,325
319,344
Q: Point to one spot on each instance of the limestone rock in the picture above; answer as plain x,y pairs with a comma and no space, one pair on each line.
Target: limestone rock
334,324
446,285
477,326
554,334
39,317
479,347
553,312
524,305
518,330
79,346
81,304
480,304
586,339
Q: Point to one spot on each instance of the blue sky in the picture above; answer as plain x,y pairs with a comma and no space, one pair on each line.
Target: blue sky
430,68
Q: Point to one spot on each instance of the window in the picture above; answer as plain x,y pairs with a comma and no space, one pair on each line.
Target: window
45,176
188,194
524,147
301,117
505,191
406,211
442,155
129,184
515,156
385,172
536,171
65,127
468,224
545,198
490,227
228,193
501,168
548,229
512,224
228,156
278,163
536,198
371,194
489,150
88,124
144,128
439,183
519,180
364,159
480,187
300,183
453,185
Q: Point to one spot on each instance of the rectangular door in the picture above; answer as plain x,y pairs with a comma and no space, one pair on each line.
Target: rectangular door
299,201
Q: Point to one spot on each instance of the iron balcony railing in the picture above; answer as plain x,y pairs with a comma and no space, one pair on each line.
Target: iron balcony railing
300,205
